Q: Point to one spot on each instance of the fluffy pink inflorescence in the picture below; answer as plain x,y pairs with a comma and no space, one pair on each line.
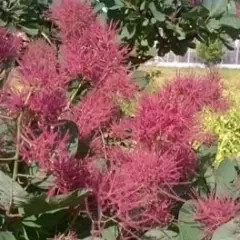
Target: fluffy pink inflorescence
96,55
42,88
134,185
94,111
9,44
72,17
45,146
90,48
215,211
49,150
48,102
39,65
169,115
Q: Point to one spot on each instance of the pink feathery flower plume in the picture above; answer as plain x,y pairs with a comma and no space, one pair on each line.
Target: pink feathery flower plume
9,44
214,211
72,17
50,152
39,65
131,187
94,111
40,82
48,102
90,48
96,55
43,146
169,115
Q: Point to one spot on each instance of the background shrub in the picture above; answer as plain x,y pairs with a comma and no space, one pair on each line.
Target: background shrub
211,53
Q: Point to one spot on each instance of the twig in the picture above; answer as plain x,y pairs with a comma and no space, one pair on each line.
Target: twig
6,117
47,38
104,143
26,140
16,160
71,223
15,167
74,95
8,159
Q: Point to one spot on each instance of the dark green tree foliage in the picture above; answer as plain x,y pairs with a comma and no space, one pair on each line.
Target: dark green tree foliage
26,15
154,27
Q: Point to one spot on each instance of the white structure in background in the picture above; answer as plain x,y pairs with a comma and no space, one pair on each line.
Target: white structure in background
231,59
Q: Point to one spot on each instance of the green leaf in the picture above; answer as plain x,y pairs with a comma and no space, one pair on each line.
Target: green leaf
232,7
141,78
227,231
45,204
71,129
213,24
99,7
226,179
168,3
143,5
7,236
214,7
230,20
206,155
156,13
110,233
160,234
48,219
31,31
31,222
210,178
128,31
11,193
43,180
8,132
189,228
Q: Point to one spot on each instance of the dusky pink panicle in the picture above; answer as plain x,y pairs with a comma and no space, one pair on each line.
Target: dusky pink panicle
95,56
49,150
9,44
94,111
39,65
131,187
121,128
169,115
48,102
42,146
119,84
159,120
12,100
72,17
69,173
214,211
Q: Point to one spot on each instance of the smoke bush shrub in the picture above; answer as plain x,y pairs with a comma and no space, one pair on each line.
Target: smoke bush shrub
80,138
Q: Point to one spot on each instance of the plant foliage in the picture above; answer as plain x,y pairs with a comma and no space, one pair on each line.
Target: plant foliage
155,27
74,165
